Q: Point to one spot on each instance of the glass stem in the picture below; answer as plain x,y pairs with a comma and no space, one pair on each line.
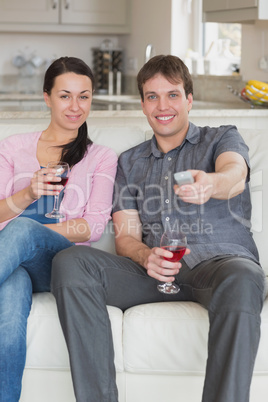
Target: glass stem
56,203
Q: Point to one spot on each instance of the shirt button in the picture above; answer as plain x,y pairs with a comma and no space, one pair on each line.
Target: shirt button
167,218
166,177
167,201
169,158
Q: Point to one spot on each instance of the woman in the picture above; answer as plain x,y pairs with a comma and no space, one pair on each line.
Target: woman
29,240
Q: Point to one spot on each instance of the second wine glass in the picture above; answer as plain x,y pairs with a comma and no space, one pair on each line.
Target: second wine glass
63,171
176,242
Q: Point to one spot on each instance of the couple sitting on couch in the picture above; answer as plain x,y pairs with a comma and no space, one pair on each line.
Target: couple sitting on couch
222,271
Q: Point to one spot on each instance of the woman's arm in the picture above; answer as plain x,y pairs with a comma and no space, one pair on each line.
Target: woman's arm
13,205
75,230
96,183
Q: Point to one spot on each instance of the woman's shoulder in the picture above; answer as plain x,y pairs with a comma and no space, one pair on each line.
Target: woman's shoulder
21,139
97,156
101,150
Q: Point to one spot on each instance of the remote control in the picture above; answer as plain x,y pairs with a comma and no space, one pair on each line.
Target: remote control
182,178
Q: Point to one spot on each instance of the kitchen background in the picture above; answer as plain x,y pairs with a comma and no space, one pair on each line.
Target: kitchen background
170,26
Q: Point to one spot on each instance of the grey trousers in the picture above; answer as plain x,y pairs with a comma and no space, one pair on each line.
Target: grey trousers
85,280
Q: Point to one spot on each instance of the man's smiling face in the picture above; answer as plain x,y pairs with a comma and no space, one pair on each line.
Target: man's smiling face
166,107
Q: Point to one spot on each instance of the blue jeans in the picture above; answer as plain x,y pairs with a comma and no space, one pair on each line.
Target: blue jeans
26,249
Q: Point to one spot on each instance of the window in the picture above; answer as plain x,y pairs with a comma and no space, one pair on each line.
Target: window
221,48
210,48
213,32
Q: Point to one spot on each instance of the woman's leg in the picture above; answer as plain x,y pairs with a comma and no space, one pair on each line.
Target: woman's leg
26,249
15,306
32,245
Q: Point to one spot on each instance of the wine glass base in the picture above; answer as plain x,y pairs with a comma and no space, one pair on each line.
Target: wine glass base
54,215
168,288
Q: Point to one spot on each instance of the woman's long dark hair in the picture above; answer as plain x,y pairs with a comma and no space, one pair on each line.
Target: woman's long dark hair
75,150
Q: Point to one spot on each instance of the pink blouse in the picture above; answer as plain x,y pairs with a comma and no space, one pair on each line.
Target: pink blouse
88,193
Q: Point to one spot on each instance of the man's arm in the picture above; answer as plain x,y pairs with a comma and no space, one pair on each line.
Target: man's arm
128,243
128,236
228,180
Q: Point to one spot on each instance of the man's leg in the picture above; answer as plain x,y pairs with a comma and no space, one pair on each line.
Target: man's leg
232,289
84,281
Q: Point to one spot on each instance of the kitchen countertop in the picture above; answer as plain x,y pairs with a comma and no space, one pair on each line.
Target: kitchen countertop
6,96
116,106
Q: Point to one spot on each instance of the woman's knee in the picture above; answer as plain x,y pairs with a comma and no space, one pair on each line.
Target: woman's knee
21,228
22,223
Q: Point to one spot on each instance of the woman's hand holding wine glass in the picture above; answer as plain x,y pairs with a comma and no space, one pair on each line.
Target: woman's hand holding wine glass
40,183
61,175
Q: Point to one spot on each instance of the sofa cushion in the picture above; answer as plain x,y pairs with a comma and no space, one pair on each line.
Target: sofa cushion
155,337
112,137
46,348
171,338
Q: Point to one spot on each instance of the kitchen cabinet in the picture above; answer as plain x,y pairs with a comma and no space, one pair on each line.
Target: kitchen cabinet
242,11
66,16
30,11
111,12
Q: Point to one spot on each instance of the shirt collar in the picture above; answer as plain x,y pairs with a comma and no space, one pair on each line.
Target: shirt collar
192,136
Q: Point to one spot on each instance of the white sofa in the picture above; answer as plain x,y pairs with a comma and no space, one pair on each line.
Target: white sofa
160,349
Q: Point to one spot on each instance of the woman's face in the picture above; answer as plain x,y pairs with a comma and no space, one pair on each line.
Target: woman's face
70,100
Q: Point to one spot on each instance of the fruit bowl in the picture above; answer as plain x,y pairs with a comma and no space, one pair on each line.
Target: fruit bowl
255,93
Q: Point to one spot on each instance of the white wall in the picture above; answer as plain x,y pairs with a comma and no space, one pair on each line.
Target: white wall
185,33
166,24
47,46
254,46
150,23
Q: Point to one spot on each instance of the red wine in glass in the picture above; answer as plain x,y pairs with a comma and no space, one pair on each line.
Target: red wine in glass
63,181
178,253
62,170
175,242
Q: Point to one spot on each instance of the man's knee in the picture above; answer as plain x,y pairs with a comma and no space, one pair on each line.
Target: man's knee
240,286
72,266
63,265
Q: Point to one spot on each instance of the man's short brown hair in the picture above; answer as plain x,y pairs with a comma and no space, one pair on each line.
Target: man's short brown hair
171,67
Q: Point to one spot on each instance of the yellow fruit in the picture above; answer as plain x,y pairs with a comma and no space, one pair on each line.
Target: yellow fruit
254,92
262,86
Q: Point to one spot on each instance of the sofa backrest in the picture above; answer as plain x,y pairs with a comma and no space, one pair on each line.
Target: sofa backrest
120,138
257,141
117,137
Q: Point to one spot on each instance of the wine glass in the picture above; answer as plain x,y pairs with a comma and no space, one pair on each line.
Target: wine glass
62,170
176,242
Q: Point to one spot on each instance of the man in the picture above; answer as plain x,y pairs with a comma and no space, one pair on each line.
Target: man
221,272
